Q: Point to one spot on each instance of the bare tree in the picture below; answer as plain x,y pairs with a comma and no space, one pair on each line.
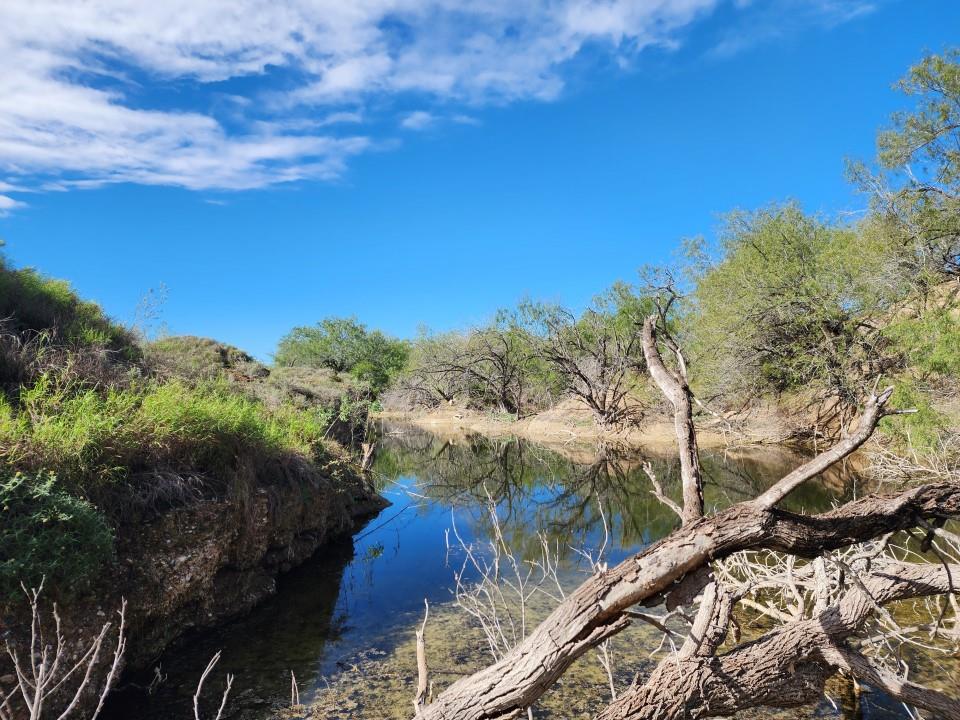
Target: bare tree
840,567
596,355
434,374
492,365
50,668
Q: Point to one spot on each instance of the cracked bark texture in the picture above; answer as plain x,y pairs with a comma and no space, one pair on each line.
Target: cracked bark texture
597,609
788,666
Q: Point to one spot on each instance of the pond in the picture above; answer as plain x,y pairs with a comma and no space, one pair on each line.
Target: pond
343,623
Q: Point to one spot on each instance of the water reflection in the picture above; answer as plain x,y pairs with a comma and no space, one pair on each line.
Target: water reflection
367,594
538,490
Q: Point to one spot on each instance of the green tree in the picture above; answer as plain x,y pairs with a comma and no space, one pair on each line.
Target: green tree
915,203
789,305
344,345
916,196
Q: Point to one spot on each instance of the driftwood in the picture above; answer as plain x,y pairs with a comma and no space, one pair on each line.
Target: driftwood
786,667
789,665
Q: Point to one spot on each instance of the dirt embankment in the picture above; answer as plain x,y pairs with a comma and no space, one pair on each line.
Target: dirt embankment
209,560
213,560
571,424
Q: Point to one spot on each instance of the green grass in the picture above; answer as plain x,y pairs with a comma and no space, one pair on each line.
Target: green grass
94,437
71,452
42,304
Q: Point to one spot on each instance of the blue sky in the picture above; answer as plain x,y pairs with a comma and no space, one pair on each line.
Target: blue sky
420,161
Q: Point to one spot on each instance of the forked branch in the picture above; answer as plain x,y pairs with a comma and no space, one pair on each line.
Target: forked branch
673,384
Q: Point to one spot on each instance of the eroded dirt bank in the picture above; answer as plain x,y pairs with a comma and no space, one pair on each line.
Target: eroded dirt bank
213,560
209,560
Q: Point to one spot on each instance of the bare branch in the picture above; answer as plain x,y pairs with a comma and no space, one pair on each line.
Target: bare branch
423,673
872,413
674,387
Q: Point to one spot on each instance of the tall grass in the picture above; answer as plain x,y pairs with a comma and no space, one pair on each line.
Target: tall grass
39,303
64,444
93,437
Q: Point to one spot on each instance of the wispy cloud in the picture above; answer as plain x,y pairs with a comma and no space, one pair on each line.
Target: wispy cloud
337,118
92,92
8,203
418,120
761,23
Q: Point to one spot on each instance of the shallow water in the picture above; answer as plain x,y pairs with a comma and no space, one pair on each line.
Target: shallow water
343,622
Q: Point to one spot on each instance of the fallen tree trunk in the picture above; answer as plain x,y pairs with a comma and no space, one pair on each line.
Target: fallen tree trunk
678,566
788,666
596,609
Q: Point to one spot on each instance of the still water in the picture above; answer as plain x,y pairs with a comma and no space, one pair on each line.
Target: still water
343,622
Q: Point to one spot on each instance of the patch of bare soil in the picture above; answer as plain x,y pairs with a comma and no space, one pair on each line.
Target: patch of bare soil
569,428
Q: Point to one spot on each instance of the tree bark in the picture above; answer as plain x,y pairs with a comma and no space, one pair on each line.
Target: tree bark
597,609
788,666
674,386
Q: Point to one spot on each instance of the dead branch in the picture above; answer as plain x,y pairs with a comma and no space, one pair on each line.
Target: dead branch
658,492
597,609
873,412
45,670
226,692
423,673
673,384
788,666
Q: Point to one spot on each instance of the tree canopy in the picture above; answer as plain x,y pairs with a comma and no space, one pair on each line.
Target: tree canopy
344,345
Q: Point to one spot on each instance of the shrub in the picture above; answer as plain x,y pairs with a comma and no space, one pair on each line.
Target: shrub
788,306
47,533
197,358
930,344
344,345
921,431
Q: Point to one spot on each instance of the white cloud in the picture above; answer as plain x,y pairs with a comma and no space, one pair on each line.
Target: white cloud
418,120
337,118
94,92
8,203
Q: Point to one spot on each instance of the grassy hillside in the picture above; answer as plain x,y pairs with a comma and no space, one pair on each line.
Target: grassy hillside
98,429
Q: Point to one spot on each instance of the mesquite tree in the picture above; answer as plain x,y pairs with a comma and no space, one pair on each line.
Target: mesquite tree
491,366
595,356
823,578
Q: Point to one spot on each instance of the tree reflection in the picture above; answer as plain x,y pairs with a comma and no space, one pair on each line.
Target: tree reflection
541,491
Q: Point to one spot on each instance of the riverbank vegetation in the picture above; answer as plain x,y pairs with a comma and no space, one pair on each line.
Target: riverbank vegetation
99,427
800,308
102,429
